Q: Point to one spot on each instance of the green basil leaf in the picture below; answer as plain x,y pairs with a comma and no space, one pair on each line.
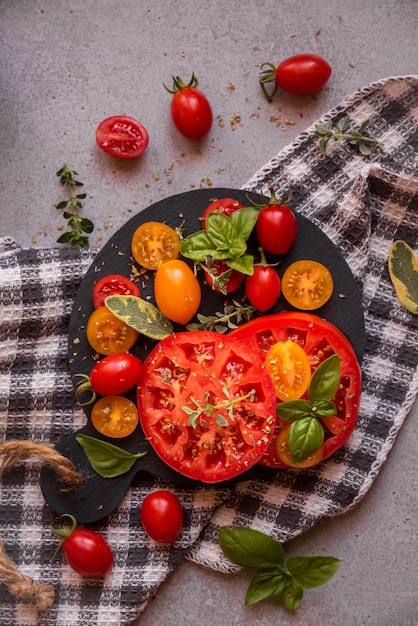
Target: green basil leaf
305,436
250,548
105,458
292,410
312,571
290,598
237,249
198,246
324,408
140,314
263,585
243,264
325,380
244,221
221,230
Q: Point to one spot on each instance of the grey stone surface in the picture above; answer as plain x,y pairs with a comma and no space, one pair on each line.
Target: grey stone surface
68,65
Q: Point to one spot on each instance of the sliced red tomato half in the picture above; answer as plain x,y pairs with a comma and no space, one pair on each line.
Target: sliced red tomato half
122,137
111,285
206,405
319,339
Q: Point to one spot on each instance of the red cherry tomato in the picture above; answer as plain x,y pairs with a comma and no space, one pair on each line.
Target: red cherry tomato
263,287
115,374
161,516
223,205
87,552
122,137
111,285
301,74
222,278
190,109
276,228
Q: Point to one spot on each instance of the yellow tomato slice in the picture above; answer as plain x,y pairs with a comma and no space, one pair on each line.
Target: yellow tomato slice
289,369
153,243
114,416
307,285
107,334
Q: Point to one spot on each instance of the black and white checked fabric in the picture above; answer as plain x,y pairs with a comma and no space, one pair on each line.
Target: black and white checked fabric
363,205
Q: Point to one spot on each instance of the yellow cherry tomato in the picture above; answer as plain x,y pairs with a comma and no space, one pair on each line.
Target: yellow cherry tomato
154,243
289,369
307,285
107,334
114,416
177,291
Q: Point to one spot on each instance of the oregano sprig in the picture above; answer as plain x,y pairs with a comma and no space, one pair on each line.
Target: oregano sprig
221,322
77,225
339,134
206,410
306,433
283,582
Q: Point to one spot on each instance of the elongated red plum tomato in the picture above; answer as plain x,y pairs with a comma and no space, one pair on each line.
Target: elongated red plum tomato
300,74
223,205
276,227
319,339
122,137
190,109
161,515
177,291
262,288
115,374
206,405
113,284
86,551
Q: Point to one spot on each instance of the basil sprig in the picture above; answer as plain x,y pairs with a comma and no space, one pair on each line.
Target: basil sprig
224,239
306,433
281,582
106,459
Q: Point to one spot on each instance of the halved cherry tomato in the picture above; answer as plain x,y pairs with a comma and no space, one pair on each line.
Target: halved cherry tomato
122,136
111,285
114,416
223,205
288,366
206,405
276,228
162,516
222,278
319,339
262,288
107,334
307,285
283,453
153,243
190,109
177,291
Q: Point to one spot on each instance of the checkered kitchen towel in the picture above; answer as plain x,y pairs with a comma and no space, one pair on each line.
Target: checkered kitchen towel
363,204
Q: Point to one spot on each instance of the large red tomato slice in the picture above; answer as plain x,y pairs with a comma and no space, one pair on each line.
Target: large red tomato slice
206,405
319,339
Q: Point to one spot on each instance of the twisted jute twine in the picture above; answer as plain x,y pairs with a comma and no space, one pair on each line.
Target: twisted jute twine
11,452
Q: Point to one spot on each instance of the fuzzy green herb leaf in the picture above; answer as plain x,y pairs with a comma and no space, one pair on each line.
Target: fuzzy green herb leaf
106,459
339,133
78,227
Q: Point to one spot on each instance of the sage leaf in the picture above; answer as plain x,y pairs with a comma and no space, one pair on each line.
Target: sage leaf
304,438
250,548
266,584
403,272
312,571
146,318
106,459
325,380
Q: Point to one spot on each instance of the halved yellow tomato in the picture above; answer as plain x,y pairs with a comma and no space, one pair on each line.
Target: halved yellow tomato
288,366
307,284
283,453
153,243
114,416
107,334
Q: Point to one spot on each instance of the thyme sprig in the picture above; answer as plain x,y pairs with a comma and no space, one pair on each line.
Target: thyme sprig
77,225
338,133
222,322
207,408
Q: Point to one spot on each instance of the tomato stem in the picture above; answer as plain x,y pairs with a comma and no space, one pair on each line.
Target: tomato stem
62,533
85,386
179,84
268,76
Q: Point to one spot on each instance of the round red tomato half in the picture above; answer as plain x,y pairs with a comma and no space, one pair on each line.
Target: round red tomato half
111,285
122,137
319,339
206,405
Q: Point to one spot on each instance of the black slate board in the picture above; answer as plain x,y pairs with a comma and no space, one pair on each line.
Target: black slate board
99,496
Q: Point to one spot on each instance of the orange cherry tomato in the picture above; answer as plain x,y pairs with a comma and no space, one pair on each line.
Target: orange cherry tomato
282,451
107,334
154,243
288,366
114,416
307,285
177,291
